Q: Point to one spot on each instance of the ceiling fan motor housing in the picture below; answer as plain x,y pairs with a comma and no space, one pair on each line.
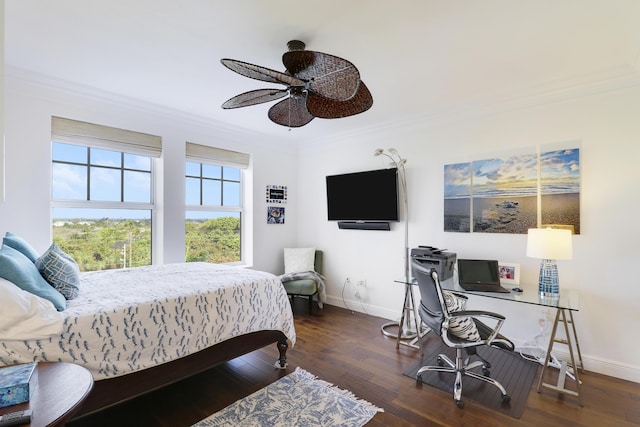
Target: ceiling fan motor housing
296,45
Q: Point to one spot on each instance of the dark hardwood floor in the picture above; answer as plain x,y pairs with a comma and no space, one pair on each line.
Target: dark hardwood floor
348,350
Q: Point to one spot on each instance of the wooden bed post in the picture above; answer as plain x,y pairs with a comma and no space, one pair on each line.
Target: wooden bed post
283,346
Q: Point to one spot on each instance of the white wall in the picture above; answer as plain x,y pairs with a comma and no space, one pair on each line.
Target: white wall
606,253
1,99
31,100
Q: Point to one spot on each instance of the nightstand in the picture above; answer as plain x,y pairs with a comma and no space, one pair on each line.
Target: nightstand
60,390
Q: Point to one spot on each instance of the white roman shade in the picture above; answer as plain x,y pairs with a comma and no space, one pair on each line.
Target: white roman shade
205,154
105,137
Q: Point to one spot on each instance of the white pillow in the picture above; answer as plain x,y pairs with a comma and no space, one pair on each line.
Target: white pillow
25,315
299,260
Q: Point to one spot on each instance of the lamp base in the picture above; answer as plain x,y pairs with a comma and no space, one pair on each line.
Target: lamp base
548,284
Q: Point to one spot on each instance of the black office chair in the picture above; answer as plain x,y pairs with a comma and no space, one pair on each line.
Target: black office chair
441,320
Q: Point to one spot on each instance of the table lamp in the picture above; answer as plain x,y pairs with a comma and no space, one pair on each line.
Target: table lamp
549,244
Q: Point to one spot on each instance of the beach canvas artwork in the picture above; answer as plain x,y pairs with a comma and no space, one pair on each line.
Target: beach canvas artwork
500,195
457,197
560,189
504,194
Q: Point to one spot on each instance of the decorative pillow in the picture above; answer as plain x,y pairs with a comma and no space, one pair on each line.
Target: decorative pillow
60,270
462,327
299,260
25,315
19,244
18,269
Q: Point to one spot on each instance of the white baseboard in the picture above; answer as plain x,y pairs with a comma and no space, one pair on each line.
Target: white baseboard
605,367
591,363
361,307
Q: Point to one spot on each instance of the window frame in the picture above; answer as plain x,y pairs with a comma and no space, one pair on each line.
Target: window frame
213,156
92,136
122,169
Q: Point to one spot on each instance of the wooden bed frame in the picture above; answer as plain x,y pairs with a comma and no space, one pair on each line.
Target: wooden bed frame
111,391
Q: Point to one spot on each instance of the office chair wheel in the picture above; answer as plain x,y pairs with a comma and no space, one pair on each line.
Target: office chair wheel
486,372
506,398
460,404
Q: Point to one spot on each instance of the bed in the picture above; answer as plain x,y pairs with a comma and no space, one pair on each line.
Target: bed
139,329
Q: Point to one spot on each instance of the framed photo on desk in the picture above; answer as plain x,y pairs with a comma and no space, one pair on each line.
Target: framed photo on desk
509,273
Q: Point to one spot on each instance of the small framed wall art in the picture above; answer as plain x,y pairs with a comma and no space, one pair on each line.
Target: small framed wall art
275,215
509,273
277,194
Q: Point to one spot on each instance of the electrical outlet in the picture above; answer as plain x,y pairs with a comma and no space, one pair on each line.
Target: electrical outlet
362,283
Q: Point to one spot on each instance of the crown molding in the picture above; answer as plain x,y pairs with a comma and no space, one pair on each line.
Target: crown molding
609,80
27,79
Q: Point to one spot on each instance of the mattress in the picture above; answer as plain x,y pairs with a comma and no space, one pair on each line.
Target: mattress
131,319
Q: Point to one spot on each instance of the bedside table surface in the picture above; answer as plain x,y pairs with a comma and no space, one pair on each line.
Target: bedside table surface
60,389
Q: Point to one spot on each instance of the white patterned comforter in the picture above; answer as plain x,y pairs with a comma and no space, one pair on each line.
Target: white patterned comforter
131,319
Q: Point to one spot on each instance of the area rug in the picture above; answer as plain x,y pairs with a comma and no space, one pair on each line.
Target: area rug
514,373
299,399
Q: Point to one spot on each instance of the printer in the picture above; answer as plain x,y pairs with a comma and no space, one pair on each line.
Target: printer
442,261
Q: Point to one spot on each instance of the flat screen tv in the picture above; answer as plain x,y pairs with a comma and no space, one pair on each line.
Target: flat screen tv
363,196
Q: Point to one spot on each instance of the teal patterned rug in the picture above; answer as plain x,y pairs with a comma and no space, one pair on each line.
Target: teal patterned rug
299,399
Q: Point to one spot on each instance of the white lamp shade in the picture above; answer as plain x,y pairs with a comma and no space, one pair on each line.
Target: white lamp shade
549,243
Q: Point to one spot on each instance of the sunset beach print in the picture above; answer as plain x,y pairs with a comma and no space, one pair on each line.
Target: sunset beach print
504,192
500,195
560,188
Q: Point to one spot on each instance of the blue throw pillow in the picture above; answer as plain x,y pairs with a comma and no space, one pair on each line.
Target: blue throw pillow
18,269
19,244
60,270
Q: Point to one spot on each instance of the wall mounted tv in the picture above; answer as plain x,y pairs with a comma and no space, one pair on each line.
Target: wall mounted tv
364,200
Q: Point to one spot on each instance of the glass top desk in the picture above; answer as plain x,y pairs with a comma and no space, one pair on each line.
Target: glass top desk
569,298
565,304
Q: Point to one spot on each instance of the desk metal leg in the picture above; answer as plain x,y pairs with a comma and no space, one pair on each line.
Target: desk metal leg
573,326
559,386
406,335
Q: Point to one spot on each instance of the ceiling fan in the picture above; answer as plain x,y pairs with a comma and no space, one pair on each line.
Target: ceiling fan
317,85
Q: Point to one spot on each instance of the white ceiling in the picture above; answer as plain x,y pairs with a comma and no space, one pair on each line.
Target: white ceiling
423,60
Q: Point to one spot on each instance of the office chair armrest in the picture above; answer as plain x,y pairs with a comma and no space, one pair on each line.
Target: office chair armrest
493,331
477,313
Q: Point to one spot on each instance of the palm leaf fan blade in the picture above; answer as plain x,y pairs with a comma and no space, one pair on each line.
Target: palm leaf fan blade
326,108
326,75
260,73
291,112
254,97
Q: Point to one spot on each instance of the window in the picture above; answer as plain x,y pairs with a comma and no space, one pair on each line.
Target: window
102,194
214,204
